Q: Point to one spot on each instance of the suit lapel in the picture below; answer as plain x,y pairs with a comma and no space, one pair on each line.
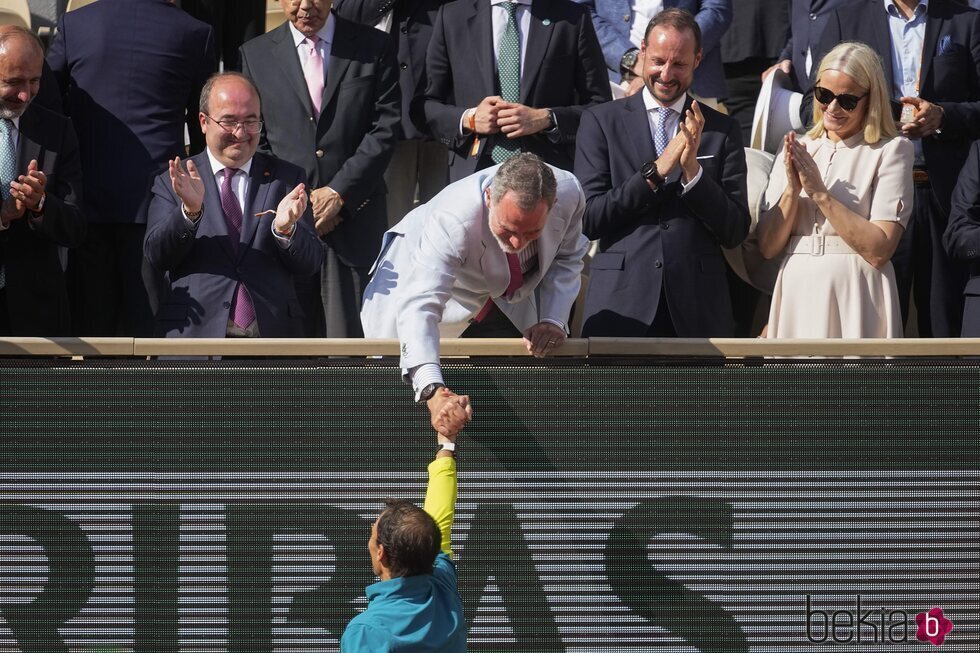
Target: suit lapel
934,25
27,148
637,130
480,27
284,53
538,38
342,50
883,41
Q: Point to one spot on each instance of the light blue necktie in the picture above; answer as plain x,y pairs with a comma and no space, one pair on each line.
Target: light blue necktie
660,139
509,76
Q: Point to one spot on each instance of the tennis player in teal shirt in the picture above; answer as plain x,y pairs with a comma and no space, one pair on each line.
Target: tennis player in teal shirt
415,606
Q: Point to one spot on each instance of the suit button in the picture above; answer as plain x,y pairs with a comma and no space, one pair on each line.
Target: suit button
665,226
404,66
658,264
319,154
226,305
626,18
813,16
404,29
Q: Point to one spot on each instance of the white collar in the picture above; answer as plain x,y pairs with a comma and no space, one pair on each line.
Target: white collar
218,166
652,104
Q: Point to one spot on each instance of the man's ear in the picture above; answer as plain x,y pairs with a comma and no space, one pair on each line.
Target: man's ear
382,556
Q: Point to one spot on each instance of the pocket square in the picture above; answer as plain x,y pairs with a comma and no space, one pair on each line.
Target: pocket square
946,46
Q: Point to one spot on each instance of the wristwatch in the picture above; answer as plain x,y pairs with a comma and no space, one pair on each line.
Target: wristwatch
651,174
628,60
446,446
429,391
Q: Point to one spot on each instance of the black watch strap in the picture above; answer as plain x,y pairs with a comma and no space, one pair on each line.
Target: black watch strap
651,174
429,391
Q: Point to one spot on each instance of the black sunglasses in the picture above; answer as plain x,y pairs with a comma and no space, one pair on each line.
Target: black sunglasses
845,101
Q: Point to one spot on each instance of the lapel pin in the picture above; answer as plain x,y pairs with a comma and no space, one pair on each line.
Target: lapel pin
265,174
546,22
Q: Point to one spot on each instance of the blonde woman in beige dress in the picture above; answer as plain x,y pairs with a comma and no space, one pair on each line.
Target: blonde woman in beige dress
837,204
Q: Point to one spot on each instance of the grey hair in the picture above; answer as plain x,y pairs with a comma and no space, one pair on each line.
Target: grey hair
9,31
529,178
204,104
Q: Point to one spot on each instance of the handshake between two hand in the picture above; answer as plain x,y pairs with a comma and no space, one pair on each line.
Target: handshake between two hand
450,413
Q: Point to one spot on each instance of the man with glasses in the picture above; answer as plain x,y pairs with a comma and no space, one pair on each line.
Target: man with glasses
332,106
930,50
231,227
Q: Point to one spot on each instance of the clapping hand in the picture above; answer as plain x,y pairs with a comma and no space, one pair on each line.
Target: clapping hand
806,169
690,129
187,184
290,209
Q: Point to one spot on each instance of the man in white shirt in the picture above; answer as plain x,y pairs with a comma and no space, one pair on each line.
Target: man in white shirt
506,241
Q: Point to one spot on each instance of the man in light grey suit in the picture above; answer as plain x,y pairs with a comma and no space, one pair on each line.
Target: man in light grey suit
506,240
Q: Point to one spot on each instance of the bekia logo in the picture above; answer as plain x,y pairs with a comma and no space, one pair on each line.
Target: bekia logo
933,626
881,625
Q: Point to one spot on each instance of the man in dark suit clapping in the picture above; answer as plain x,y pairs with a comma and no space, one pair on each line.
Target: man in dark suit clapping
665,187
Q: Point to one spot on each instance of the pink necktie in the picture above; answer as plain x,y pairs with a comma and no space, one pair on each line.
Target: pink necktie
242,308
516,281
313,72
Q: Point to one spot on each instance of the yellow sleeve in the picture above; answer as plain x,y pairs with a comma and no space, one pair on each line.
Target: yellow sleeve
440,497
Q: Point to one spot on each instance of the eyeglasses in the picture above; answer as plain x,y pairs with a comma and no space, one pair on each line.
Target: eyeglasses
845,101
250,126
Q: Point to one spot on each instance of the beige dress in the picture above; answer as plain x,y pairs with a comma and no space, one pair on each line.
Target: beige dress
825,289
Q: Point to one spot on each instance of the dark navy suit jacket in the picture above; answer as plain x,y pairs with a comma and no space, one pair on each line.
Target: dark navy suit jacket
130,69
649,240
962,237
808,19
563,71
411,30
37,297
205,267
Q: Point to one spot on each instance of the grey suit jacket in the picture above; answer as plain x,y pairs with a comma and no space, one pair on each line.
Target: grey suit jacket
441,263
348,147
37,297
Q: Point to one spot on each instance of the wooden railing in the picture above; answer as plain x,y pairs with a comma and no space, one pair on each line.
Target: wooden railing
314,347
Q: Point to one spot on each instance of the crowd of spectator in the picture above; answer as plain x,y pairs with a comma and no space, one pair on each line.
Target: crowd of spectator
145,193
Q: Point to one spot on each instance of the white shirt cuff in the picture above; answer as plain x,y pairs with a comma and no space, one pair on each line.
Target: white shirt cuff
282,241
686,187
556,323
423,375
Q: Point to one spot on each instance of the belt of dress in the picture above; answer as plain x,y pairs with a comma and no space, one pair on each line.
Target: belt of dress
818,245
